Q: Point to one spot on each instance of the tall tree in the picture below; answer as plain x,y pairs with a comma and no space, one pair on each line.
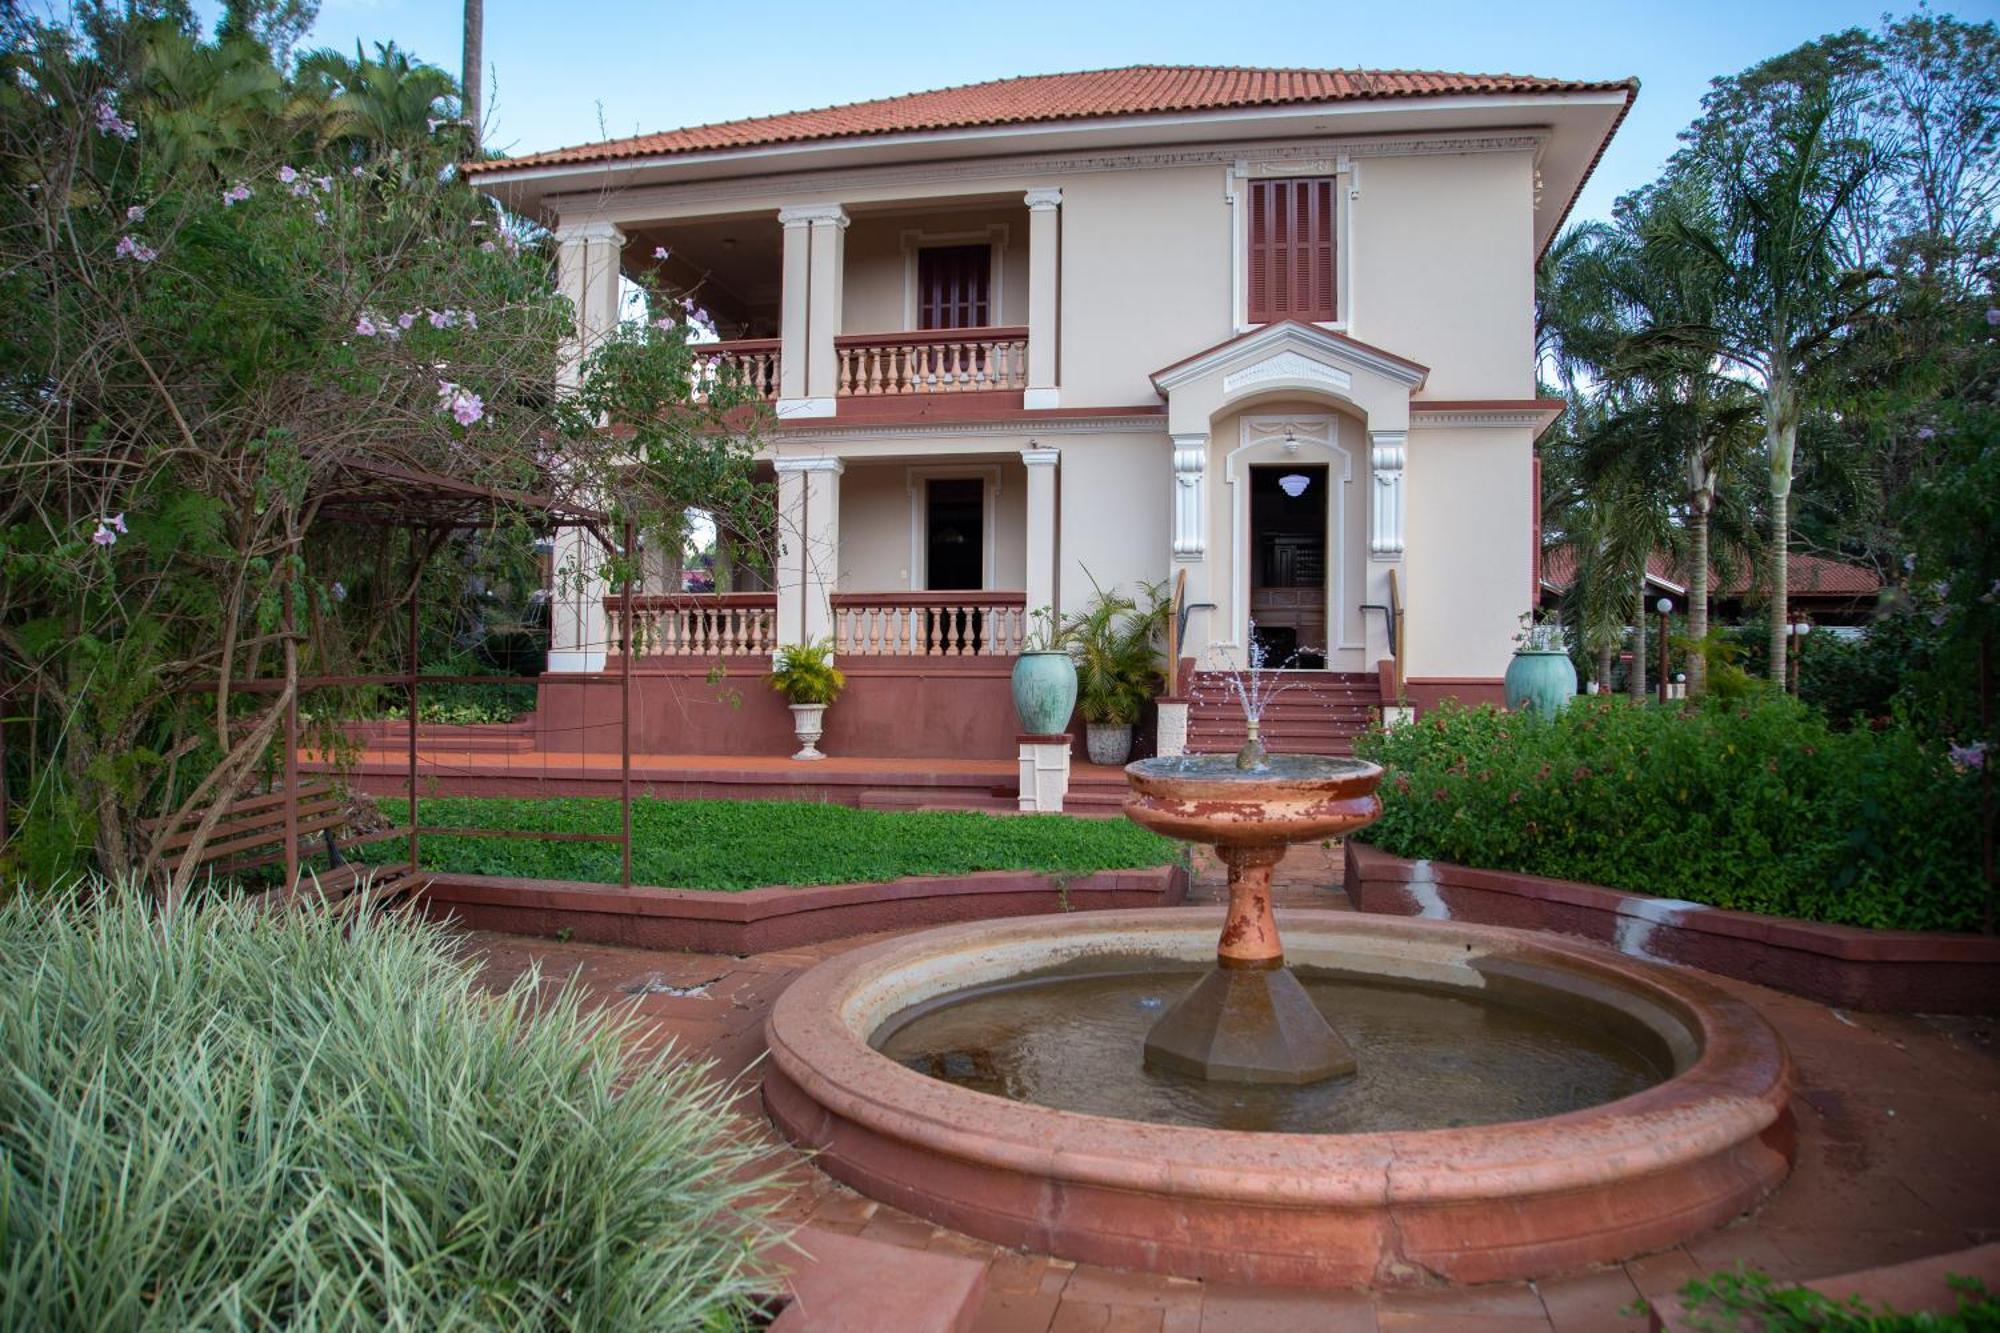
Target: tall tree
1786,184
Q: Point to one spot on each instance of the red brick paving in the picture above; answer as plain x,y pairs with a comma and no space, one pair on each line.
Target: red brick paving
1899,1157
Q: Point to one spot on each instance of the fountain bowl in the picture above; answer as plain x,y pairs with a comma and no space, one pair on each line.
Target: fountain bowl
1519,1199
1286,799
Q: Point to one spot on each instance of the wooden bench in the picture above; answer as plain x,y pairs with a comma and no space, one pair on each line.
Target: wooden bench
250,834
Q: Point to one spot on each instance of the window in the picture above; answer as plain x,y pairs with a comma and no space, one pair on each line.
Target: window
1291,250
954,286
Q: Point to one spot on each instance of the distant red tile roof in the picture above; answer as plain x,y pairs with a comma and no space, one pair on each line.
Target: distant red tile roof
1806,575
1135,90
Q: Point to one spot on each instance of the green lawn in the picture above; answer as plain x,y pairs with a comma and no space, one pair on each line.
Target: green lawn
745,844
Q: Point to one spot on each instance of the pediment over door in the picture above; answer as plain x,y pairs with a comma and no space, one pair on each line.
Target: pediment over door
1290,357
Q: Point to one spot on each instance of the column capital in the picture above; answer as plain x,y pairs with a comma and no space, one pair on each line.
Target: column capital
589,229
1037,455
1042,198
800,215
819,463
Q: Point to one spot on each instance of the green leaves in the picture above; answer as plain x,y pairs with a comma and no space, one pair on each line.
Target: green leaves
1760,807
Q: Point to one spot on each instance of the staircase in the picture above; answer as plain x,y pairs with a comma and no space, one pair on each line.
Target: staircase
1319,712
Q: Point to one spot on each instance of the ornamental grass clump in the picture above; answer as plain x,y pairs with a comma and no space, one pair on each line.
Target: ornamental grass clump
230,1120
1760,807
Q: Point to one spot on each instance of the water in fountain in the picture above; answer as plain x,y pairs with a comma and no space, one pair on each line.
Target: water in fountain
1254,688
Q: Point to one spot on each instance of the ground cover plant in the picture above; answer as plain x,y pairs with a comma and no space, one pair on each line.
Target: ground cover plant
747,844
1733,1302
1762,807
230,1120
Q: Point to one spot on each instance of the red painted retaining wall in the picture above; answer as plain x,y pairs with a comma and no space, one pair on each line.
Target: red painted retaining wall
760,920
1845,966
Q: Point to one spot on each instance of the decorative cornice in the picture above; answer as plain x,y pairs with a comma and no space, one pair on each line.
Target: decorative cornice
1482,419
818,463
1288,365
636,201
798,215
1290,350
1032,425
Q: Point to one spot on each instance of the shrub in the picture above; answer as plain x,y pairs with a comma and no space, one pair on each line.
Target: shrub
1751,1300
230,1120
1762,807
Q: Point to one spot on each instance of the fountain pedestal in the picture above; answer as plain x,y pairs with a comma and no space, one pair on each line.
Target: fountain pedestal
1249,1020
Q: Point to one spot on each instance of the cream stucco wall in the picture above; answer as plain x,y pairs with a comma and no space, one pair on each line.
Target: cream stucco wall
1145,278
881,513
877,290
1442,269
1470,521
1115,491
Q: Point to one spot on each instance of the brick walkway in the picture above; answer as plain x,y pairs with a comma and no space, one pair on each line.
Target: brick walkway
1899,1157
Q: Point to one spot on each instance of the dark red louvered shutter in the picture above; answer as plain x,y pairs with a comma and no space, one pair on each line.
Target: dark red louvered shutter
1291,250
954,286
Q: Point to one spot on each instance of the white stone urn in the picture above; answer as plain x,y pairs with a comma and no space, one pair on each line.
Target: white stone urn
809,724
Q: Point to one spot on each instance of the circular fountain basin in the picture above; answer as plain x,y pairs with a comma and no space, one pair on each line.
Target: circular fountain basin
1262,1185
1288,798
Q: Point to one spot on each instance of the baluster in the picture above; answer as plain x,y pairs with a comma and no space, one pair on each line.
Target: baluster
844,382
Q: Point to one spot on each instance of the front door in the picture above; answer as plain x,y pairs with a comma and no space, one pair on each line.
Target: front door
954,533
1288,564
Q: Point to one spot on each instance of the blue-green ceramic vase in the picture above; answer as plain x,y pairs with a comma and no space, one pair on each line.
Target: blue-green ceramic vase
1044,692
1546,681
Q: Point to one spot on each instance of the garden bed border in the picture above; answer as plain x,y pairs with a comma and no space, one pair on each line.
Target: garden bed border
781,917
1901,971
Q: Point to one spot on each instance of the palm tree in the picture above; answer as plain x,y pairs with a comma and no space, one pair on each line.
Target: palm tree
468,75
1781,187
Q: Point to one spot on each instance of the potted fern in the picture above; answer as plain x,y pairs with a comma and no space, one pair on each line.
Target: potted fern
1113,642
805,674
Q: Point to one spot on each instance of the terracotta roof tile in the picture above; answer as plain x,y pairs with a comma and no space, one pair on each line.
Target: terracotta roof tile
1136,90
1806,575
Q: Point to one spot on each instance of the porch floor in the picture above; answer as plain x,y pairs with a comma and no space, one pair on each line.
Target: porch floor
874,783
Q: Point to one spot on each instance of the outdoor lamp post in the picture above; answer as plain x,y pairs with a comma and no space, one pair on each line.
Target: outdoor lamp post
1795,641
1665,607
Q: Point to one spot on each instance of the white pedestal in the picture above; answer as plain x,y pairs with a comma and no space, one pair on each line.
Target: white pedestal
1170,740
1044,773
1397,715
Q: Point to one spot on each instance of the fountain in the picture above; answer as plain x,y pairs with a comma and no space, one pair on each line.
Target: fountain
1129,1088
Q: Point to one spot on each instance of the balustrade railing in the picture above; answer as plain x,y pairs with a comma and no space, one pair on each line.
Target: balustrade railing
935,361
699,624
929,624
753,361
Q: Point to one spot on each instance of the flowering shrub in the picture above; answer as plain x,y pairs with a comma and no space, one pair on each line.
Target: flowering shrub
1761,808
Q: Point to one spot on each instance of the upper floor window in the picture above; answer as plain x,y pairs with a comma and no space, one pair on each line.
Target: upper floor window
1292,249
954,286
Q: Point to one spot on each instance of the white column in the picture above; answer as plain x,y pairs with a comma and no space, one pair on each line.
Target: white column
587,271
1190,497
1041,534
808,547
794,298
815,245
1044,296
1387,452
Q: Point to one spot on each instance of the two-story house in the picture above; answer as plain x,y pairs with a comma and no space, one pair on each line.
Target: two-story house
1272,329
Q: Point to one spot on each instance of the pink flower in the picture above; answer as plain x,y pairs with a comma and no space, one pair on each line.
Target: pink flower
287,174
136,213
116,522
104,536
1992,317
487,247
664,322
1969,756
235,195
356,172
471,319
319,216
661,252
365,327
442,319
405,320
109,122
467,408
128,248
323,183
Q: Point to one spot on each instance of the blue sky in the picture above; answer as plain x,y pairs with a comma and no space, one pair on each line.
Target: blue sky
563,73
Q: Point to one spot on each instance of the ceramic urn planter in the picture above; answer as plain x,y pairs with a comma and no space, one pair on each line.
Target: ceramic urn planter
1542,680
809,724
1044,692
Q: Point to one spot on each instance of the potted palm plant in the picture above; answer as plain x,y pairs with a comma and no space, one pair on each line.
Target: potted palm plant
1113,642
805,674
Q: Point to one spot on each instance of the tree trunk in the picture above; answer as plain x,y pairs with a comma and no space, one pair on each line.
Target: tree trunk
1698,598
1781,434
475,56
1604,656
1636,678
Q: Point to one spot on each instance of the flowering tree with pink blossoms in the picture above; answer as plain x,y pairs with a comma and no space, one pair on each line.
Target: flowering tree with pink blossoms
225,285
